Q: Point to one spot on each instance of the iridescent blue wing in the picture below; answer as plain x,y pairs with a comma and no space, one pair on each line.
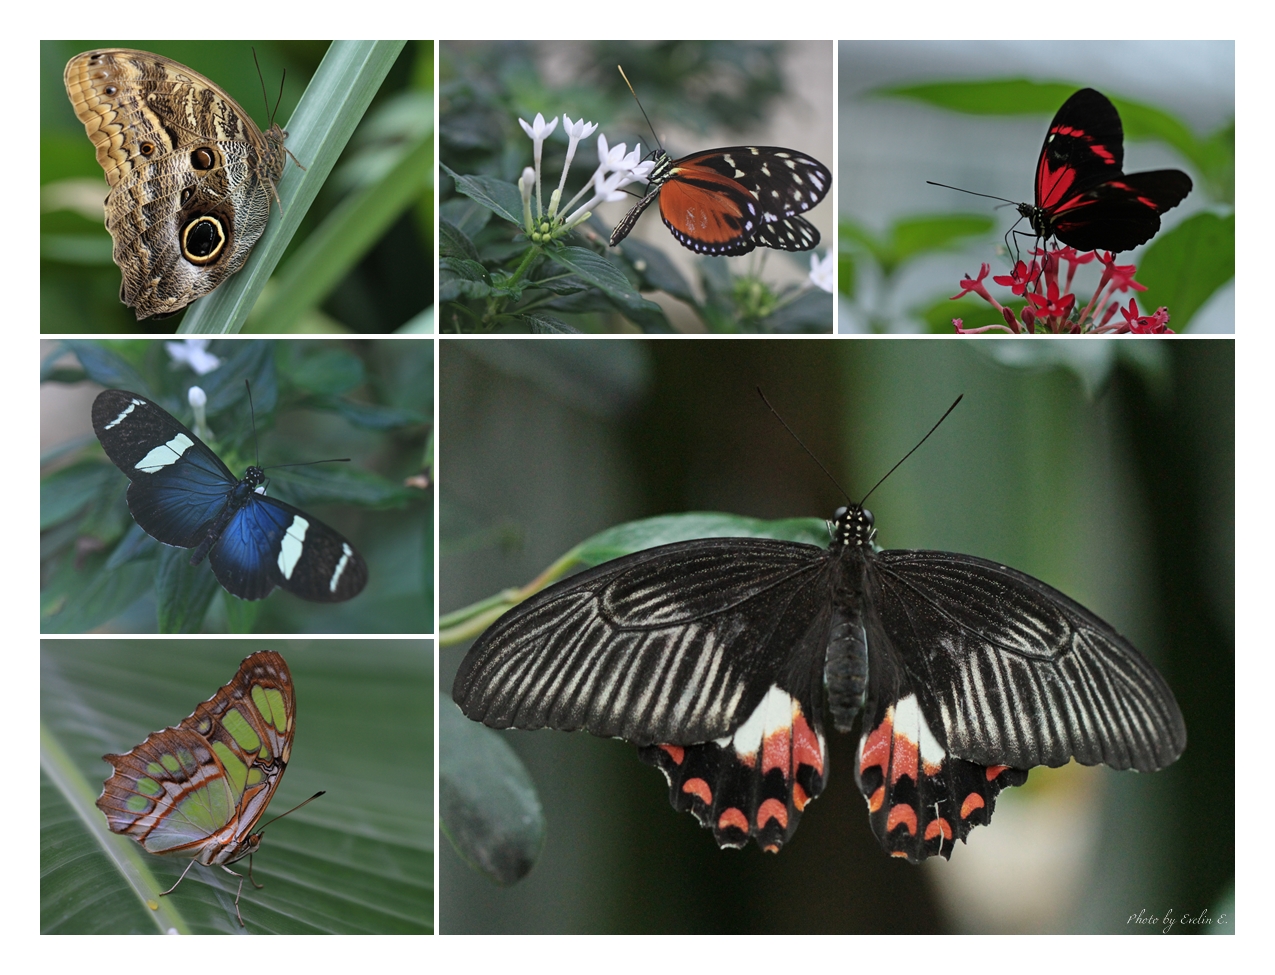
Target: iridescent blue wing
179,485
269,543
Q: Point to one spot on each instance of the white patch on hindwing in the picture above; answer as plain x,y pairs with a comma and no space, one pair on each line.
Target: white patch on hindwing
771,714
291,545
165,454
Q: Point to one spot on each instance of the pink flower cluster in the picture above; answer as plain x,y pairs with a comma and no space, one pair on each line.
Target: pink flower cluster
1052,309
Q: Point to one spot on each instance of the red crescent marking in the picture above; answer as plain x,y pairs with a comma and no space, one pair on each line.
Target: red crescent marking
972,802
901,815
675,752
876,799
799,797
938,827
772,809
876,747
733,818
698,788
995,770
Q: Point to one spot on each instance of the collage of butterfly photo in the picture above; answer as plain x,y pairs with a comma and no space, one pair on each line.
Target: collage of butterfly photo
835,434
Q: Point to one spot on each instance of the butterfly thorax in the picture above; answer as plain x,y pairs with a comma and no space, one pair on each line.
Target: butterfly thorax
663,167
852,527
216,854
238,496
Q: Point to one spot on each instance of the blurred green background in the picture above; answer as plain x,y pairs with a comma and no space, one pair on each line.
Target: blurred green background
1103,468
384,283
368,400
358,860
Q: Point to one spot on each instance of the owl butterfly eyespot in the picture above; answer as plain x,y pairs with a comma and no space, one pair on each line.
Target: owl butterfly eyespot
191,176
1082,195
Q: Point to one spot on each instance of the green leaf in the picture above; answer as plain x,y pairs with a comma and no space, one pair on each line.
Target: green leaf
547,325
335,100
657,270
500,197
487,802
348,485
453,242
326,371
635,536
359,860
914,236
1185,266
372,416
183,592
604,275
344,237
106,367
106,596
66,492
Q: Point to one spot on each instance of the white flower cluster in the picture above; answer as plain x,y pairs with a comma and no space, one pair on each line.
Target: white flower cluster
616,169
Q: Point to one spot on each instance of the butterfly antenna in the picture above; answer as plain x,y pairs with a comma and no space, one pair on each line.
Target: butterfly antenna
253,413
262,78
294,808
912,451
307,463
793,434
972,193
648,123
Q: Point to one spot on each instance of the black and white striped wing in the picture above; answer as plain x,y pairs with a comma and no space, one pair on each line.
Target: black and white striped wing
1012,672
707,654
675,644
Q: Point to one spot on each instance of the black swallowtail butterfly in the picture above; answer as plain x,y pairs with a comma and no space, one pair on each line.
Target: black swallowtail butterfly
720,657
183,495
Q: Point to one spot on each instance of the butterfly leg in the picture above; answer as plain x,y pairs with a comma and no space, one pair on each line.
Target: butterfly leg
179,880
254,883
239,892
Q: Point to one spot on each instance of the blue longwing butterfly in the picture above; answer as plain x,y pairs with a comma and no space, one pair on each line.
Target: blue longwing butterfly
1082,195
718,656
183,495
730,201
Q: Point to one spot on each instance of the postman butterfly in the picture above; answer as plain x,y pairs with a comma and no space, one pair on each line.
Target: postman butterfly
724,660
1082,196
183,495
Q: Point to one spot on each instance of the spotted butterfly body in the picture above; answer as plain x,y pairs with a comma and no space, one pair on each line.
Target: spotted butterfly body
197,790
1082,195
719,658
729,201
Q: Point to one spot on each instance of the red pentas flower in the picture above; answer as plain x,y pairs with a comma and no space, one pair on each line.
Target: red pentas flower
1051,303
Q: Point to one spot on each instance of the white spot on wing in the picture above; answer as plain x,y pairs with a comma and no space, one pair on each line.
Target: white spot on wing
346,552
133,404
165,454
290,546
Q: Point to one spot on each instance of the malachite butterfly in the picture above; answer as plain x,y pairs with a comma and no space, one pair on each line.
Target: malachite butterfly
198,789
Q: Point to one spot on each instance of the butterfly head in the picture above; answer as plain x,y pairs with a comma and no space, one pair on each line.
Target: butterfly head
254,477
246,847
853,526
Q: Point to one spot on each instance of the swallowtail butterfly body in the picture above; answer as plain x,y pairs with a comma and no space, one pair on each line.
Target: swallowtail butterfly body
1083,197
725,659
183,495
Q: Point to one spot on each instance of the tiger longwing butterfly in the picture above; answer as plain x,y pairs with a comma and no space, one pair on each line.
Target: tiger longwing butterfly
716,657
1082,195
183,495
730,201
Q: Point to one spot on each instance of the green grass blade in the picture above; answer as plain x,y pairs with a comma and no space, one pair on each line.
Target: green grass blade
344,237
331,108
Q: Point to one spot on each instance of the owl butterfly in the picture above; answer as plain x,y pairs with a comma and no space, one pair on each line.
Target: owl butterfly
191,176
